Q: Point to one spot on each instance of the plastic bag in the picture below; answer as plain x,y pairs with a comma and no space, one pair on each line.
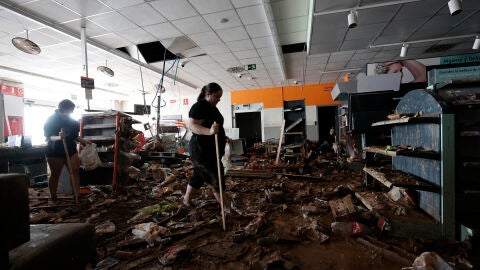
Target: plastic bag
89,157
149,232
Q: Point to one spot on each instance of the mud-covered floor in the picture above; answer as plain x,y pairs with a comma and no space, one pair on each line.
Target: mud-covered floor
276,223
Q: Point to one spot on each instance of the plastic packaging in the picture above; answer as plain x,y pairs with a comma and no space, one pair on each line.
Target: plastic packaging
430,260
149,232
254,225
349,228
89,157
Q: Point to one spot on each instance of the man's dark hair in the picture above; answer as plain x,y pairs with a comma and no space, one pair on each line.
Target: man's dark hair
66,105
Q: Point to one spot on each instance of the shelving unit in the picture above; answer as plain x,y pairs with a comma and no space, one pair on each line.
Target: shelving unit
463,96
423,161
103,130
294,115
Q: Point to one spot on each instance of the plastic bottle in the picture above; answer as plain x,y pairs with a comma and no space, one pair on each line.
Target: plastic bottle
349,228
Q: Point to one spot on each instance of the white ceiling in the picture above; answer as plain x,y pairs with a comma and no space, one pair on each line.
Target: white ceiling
251,34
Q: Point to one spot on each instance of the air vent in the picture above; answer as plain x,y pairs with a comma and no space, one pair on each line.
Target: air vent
440,48
236,69
292,48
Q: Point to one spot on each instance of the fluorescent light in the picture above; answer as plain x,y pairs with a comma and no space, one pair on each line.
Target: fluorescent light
455,7
403,51
476,44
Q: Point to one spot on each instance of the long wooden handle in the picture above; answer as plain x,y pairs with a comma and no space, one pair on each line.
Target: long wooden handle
70,170
220,181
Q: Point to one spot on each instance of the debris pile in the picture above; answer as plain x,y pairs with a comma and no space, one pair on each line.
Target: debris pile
327,219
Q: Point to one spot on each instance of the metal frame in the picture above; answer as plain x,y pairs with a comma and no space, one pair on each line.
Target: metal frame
447,134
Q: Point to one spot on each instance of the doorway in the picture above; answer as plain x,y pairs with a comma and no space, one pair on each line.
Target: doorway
249,125
326,119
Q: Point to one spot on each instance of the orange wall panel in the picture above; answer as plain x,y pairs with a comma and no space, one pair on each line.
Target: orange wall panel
270,97
315,94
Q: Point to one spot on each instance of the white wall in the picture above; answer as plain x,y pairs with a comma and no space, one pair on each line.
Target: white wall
311,123
273,118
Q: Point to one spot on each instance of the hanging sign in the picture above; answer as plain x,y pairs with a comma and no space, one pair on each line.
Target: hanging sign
87,83
185,101
173,101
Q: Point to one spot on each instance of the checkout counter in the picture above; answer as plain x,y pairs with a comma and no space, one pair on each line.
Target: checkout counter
30,161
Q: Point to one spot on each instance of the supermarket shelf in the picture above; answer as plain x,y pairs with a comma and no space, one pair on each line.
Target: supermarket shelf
99,126
99,138
470,133
391,178
432,118
403,152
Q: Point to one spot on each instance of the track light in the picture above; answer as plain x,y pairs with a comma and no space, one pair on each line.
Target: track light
352,18
403,51
455,7
476,43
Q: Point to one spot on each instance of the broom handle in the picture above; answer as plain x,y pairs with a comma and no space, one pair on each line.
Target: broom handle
220,181
70,170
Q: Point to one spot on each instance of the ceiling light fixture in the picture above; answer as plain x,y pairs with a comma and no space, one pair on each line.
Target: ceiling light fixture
421,41
106,70
403,51
455,7
26,45
352,18
476,43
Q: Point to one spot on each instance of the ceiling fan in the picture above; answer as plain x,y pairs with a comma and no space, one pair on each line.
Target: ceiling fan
26,45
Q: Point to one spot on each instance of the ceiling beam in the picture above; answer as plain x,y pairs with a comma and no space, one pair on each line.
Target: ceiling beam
422,41
267,5
24,72
391,3
14,8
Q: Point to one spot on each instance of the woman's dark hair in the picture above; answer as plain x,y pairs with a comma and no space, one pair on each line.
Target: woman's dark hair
210,88
66,105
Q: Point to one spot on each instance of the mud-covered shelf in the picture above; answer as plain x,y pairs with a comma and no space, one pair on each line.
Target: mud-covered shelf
396,178
414,152
405,219
429,118
99,138
95,126
470,133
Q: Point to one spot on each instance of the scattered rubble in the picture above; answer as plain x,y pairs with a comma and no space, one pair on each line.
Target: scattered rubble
279,219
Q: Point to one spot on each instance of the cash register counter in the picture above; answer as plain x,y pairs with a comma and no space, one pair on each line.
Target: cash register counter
31,159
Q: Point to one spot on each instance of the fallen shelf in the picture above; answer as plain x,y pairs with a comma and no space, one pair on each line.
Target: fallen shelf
413,222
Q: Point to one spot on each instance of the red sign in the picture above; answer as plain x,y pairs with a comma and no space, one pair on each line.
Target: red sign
185,101
11,90
173,101
14,126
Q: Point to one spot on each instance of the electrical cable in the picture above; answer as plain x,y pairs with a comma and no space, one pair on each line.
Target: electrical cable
145,111
175,77
161,82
